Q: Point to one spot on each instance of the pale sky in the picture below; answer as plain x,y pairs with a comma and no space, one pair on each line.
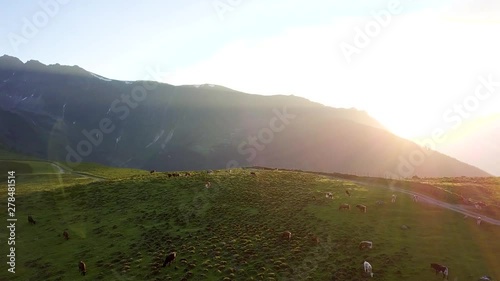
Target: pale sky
417,64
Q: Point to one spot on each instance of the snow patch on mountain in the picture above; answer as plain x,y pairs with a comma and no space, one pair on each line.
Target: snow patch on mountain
100,77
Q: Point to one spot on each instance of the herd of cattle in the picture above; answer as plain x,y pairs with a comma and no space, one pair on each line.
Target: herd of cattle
287,235
82,267
367,267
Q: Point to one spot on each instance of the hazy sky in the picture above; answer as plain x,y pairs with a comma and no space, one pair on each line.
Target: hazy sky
409,64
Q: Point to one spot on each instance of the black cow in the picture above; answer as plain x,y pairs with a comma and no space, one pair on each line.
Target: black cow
152,171
31,220
66,235
82,268
169,259
253,173
440,268
347,192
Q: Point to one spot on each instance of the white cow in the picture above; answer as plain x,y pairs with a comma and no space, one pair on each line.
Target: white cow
368,268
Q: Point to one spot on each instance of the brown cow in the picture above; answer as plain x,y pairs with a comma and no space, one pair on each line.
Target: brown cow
253,173
365,244
66,235
315,239
362,208
344,206
82,268
287,235
169,259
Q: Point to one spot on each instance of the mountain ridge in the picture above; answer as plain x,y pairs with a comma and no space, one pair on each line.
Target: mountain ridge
192,127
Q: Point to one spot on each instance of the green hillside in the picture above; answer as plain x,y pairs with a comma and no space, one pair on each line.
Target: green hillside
123,228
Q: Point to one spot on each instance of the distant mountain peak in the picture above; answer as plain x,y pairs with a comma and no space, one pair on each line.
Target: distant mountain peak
10,62
35,65
13,63
34,62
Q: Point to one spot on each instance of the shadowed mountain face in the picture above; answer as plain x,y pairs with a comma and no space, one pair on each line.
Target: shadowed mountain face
68,114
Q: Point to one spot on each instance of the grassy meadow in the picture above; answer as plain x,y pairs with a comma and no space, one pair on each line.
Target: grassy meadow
123,227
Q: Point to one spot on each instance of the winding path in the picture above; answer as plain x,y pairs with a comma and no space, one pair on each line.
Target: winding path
62,170
58,169
427,199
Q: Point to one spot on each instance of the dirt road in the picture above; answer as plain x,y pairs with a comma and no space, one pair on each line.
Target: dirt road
58,169
427,199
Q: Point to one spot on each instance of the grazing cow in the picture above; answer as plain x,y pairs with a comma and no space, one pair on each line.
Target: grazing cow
348,193
344,206
415,198
169,259
253,173
208,184
188,174
380,202
82,268
210,172
365,244
368,268
478,221
169,175
66,235
440,268
152,171
362,208
286,235
31,220
481,204
393,199
485,278
329,195
315,239
175,175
